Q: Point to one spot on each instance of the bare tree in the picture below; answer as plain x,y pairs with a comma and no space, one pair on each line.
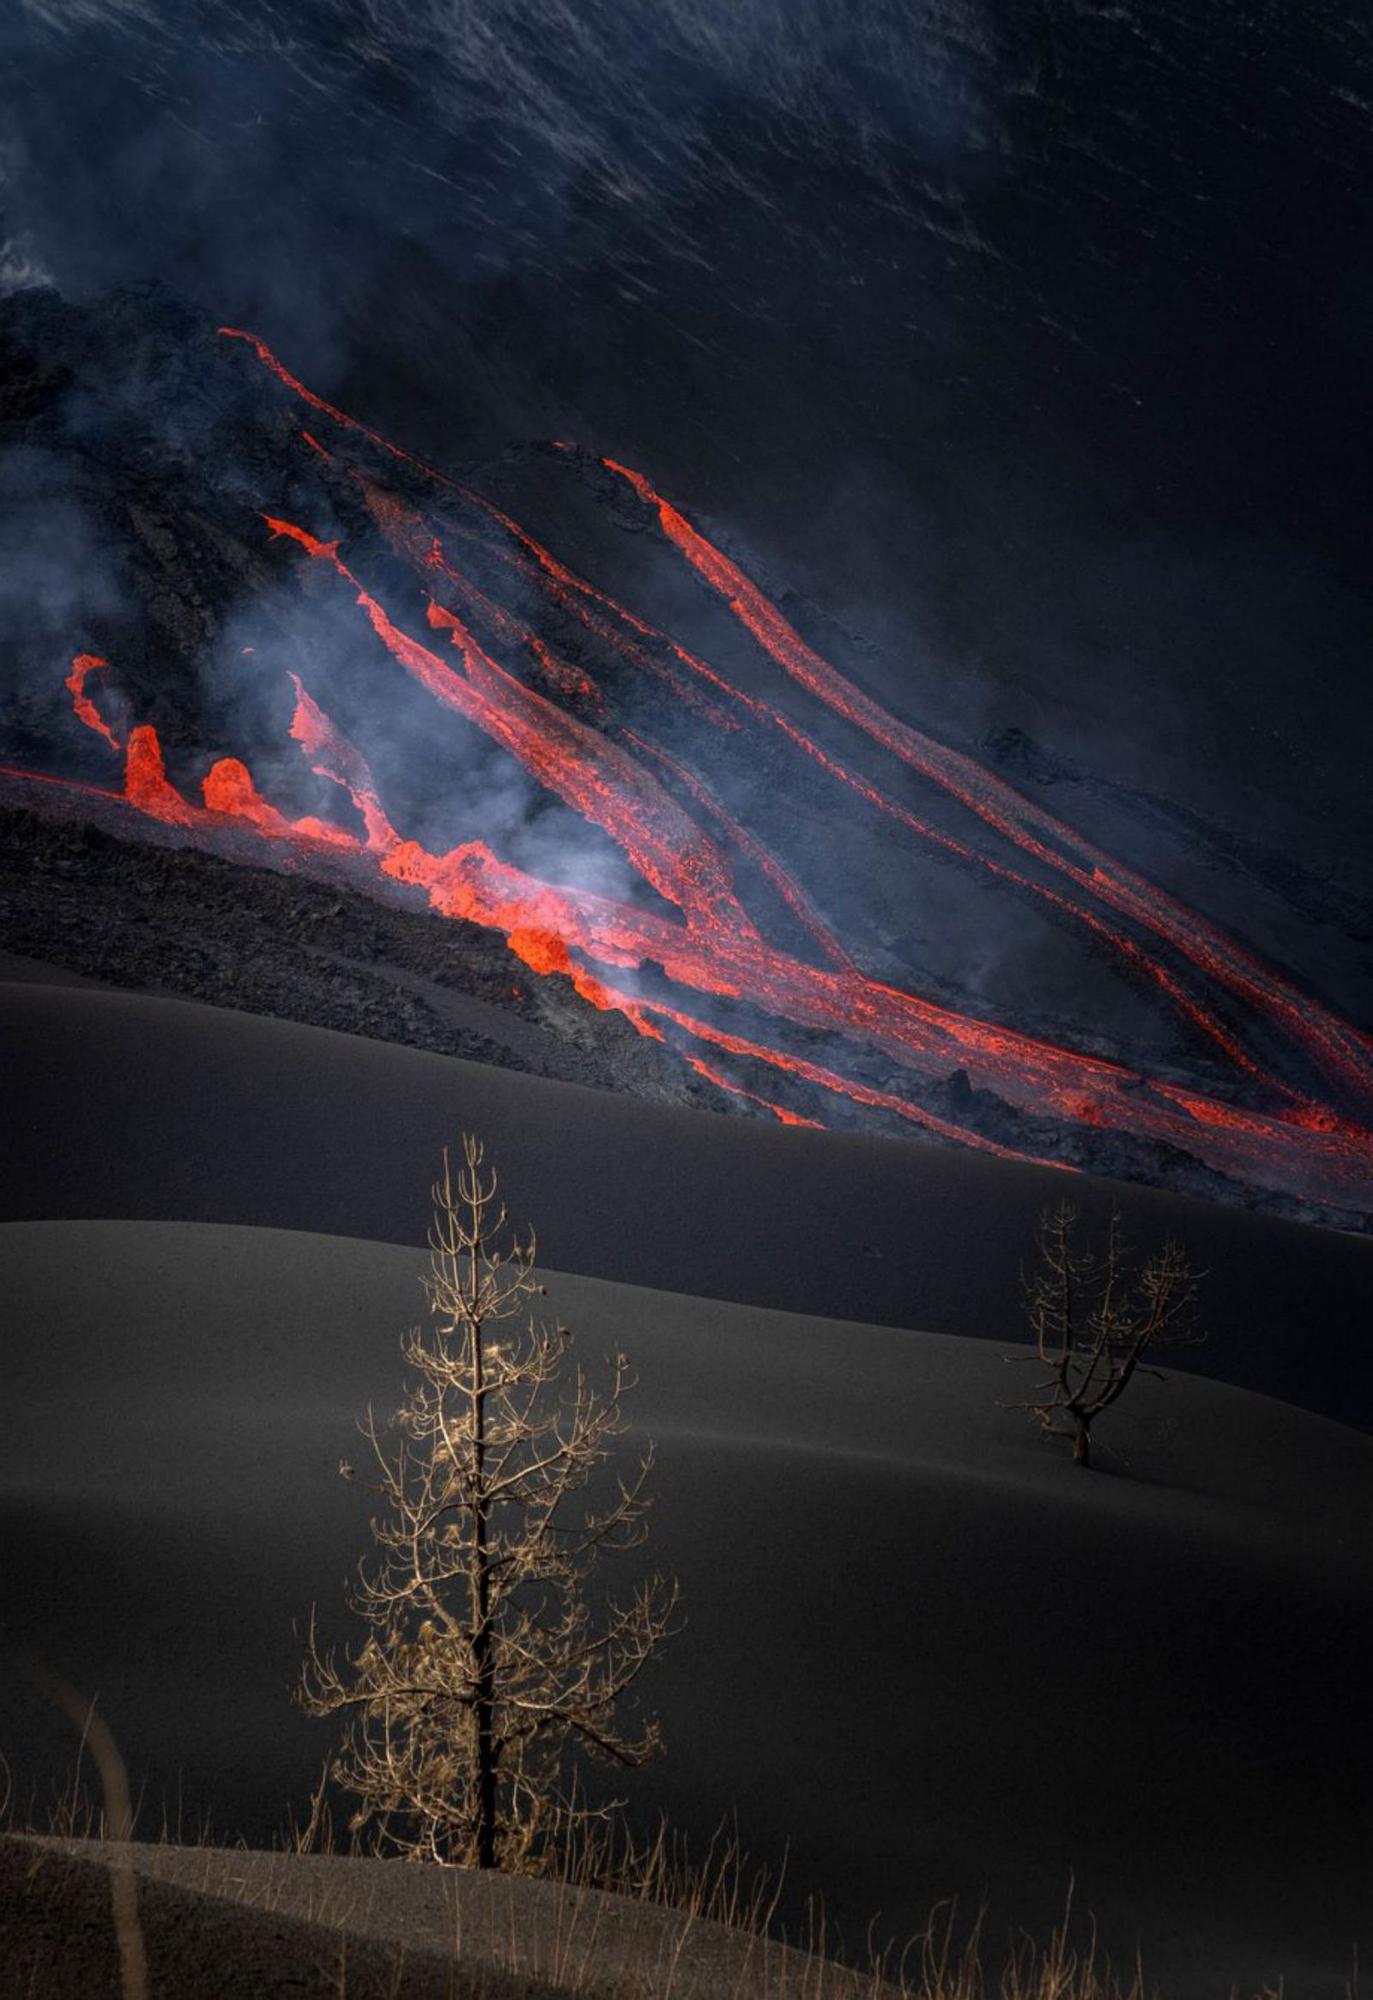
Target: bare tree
1094,1324
483,1668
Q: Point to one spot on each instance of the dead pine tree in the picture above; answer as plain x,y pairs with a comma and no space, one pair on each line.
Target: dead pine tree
483,1669
1094,1323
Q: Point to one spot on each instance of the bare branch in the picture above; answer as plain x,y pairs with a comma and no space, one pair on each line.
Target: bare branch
1093,1326
483,1669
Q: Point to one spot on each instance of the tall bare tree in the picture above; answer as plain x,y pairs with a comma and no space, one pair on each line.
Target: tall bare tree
1093,1323
484,1669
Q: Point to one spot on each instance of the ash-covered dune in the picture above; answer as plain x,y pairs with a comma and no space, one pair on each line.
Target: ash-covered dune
269,1926
127,1106
923,1653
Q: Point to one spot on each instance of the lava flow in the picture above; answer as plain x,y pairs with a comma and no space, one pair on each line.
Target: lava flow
1341,1051
407,534
639,643
683,953
555,929
585,769
332,756
83,666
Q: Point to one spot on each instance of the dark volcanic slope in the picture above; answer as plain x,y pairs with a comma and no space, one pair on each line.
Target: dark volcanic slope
537,698
922,1652
128,910
204,1930
271,1926
119,1105
1032,331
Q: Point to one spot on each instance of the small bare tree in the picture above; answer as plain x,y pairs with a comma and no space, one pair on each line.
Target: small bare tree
483,1667
1093,1324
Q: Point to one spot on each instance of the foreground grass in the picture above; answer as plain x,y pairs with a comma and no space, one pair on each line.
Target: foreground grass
613,1922
269,1923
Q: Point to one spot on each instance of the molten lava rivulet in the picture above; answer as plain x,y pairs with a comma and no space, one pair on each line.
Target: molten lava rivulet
146,784
626,634
1341,1050
556,929
693,943
332,756
83,666
585,769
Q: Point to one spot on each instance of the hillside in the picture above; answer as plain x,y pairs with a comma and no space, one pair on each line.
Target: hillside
130,1106
923,1655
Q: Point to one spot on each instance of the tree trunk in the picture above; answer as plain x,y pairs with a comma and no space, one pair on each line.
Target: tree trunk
486,1762
484,1706
1082,1443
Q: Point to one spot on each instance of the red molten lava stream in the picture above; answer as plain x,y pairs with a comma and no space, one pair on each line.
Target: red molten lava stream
230,796
1341,1051
1034,1075
790,890
1216,956
83,666
578,596
332,756
705,943
64,785
736,1089
589,606
585,769
407,535
560,930
336,416
840,1086
229,790
145,780
574,593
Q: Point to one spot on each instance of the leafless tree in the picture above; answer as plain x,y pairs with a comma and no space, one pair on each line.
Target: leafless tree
484,1670
1094,1324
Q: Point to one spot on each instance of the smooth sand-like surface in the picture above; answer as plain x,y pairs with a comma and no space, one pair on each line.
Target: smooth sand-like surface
923,1654
252,1926
119,1105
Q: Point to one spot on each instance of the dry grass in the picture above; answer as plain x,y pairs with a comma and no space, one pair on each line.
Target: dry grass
617,1921
509,1938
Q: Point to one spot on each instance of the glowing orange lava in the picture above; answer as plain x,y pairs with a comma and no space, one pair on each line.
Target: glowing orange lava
83,666
555,929
693,947
145,780
575,594
228,789
587,770
1341,1050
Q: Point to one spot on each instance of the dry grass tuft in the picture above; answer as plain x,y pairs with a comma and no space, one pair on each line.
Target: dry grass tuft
618,1920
